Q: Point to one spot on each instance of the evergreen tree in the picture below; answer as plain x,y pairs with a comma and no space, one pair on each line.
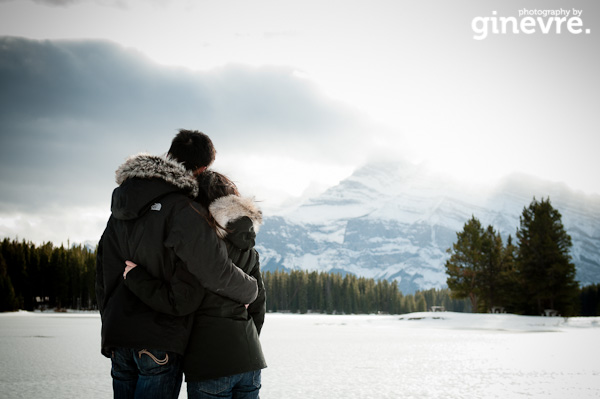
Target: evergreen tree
16,269
409,304
464,267
495,271
328,293
508,285
315,291
421,302
302,290
546,273
590,300
8,302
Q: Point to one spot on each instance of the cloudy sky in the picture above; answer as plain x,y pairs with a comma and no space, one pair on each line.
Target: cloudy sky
295,94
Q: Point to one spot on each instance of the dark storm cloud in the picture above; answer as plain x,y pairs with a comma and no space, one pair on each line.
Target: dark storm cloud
71,111
61,3
66,3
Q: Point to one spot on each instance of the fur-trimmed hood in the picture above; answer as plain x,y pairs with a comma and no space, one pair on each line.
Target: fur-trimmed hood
146,166
143,179
231,208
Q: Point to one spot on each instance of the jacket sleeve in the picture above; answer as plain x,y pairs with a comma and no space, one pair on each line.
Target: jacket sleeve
100,277
180,296
258,308
205,255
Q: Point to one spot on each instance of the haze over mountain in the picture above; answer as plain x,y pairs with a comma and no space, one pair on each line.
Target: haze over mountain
395,220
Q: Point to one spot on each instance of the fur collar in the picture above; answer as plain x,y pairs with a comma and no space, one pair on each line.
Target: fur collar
232,207
146,166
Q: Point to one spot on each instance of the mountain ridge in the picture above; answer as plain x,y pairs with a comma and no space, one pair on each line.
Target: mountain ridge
395,220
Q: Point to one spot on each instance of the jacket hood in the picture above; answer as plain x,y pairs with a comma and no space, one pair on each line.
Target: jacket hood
143,179
146,166
230,208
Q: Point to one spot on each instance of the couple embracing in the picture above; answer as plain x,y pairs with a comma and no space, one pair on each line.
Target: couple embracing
178,280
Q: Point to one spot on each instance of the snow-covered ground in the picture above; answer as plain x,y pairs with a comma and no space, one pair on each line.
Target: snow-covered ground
419,355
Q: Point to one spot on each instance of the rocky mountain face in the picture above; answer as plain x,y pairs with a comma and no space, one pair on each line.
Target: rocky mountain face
395,221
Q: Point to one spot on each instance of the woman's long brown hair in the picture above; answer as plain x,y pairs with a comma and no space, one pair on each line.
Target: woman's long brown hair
214,185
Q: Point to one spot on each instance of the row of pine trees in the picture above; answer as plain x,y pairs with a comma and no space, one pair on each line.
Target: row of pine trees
301,291
49,277
38,277
527,277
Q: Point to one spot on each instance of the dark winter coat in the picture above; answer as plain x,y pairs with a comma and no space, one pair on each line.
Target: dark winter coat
224,339
155,223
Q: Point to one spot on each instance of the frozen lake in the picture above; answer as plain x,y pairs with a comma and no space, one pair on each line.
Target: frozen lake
421,355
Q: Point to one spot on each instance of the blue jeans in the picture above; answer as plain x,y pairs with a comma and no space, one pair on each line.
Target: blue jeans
148,374
238,386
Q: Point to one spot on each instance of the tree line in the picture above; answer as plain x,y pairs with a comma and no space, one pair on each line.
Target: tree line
301,291
46,276
37,277
534,275
50,277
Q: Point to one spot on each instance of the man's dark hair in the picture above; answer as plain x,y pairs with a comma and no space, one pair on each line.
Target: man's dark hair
193,149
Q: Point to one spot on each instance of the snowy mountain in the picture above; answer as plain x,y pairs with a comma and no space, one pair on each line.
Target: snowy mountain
396,220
